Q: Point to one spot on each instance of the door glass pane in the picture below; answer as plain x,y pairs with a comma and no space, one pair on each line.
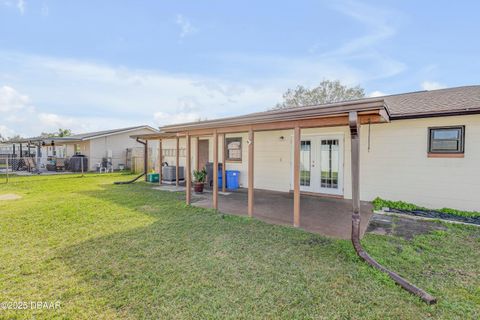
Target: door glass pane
329,155
305,162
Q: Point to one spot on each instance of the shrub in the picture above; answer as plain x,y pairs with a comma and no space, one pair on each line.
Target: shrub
379,203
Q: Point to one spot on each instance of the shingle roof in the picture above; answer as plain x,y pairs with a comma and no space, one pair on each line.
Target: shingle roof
434,102
405,105
83,136
89,135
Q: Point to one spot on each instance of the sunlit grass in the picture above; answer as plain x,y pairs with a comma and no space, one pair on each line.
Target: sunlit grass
128,251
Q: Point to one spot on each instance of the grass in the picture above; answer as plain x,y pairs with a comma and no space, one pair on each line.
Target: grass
379,203
131,252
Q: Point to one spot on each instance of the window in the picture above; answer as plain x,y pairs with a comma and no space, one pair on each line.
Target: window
233,149
76,149
446,139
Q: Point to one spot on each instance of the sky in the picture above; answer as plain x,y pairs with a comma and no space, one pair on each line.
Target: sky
94,65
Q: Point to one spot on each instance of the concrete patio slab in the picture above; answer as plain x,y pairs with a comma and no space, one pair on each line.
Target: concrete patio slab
326,216
170,188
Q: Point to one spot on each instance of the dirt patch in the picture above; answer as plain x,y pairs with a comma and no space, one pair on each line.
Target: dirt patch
401,227
9,196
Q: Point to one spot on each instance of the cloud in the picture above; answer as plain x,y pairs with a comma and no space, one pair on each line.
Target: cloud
87,96
163,118
186,27
366,49
6,132
377,94
51,120
21,5
45,10
376,20
432,85
11,100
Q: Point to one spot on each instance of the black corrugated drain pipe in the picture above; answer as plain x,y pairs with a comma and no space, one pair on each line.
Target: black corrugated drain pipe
355,140
144,170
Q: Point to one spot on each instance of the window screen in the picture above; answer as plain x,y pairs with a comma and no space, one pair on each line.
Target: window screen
233,149
446,140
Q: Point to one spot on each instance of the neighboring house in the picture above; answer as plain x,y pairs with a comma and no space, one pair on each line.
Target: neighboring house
111,144
421,147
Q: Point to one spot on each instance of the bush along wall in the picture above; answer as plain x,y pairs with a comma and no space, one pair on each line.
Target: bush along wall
472,217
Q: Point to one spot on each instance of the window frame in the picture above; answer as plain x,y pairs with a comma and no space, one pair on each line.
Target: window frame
460,150
229,140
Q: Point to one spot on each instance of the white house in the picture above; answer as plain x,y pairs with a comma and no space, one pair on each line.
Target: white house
420,147
110,144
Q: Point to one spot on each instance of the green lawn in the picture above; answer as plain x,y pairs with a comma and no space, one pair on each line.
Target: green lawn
130,252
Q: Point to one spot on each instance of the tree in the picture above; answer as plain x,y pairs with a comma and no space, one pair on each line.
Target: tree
64,132
326,92
60,133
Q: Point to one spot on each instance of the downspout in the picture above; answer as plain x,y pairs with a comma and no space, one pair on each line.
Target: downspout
145,163
355,140
145,158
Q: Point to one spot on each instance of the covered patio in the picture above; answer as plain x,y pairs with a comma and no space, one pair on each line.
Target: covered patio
327,214
330,217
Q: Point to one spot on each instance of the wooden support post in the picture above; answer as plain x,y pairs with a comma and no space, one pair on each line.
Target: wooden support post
188,170
296,176
215,170
177,161
197,163
250,172
224,165
160,160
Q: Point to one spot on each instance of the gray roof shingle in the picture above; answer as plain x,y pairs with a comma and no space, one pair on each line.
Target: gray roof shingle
434,102
82,136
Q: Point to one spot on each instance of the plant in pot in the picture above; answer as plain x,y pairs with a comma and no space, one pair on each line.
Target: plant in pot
200,176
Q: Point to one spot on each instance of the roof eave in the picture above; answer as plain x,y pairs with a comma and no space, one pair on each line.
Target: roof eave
284,115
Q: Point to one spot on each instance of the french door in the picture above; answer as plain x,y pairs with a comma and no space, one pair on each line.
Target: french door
321,164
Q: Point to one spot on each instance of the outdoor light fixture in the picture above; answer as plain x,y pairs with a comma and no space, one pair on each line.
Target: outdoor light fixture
282,138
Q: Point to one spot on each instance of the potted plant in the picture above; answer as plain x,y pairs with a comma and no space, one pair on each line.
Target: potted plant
200,176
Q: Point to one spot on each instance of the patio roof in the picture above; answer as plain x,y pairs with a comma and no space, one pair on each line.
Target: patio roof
370,110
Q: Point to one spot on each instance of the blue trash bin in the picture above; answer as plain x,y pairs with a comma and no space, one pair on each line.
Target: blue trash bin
232,179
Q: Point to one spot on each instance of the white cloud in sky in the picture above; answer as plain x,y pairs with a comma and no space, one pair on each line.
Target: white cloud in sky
186,27
432,85
6,132
376,20
380,25
85,96
11,100
45,10
377,94
21,5
172,118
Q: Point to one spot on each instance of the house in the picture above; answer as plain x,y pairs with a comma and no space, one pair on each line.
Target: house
109,144
112,145
420,147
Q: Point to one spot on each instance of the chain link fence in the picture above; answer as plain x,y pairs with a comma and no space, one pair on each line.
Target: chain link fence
13,165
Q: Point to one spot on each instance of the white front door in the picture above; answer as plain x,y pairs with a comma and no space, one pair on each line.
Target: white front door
321,164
